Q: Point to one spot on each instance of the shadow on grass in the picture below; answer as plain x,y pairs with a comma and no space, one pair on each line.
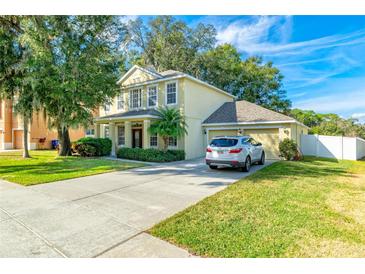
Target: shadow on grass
59,166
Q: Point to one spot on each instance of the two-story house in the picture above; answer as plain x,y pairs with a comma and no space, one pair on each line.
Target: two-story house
39,135
208,111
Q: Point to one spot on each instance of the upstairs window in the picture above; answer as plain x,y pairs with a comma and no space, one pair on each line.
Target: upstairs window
152,96
135,98
171,94
120,102
121,136
107,107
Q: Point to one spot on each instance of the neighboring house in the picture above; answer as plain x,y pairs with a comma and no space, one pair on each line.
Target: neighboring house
39,136
208,111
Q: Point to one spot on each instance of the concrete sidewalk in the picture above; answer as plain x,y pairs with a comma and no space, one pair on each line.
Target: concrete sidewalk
104,215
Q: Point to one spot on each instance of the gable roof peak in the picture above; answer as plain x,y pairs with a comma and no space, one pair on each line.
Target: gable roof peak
148,70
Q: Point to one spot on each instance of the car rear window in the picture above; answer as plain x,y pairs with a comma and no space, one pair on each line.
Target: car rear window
224,142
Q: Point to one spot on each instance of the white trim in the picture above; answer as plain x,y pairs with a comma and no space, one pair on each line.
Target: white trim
177,93
132,69
256,123
147,89
124,118
179,77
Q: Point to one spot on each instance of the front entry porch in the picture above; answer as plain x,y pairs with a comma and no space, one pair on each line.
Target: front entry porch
126,133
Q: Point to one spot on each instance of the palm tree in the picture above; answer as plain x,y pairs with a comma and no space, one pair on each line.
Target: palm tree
170,123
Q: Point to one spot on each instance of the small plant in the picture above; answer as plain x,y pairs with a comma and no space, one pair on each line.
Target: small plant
288,149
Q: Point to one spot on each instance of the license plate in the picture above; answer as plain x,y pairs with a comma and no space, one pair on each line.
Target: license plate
220,151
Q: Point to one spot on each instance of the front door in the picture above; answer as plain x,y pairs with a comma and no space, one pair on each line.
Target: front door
137,138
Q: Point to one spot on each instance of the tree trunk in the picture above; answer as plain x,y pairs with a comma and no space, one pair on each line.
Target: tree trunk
165,143
64,142
25,138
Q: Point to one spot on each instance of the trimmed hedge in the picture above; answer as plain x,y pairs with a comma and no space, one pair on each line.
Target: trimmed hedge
150,154
103,146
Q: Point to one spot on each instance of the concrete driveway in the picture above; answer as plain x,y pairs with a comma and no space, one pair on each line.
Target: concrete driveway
104,215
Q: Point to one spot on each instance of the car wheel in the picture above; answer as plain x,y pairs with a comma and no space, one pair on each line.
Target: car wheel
213,167
262,160
247,166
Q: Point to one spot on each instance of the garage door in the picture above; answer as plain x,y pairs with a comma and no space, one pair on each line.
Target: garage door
269,139
18,139
215,133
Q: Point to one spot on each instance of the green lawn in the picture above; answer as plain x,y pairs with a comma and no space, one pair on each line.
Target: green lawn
45,166
311,208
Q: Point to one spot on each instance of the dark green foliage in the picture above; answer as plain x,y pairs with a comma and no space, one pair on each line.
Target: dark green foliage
103,146
151,154
288,149
329,124
171,123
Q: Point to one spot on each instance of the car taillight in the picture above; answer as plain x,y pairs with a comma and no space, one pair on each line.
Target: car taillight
209,149
235,150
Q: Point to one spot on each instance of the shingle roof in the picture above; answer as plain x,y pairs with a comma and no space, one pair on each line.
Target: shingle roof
130,114
243,111
170,73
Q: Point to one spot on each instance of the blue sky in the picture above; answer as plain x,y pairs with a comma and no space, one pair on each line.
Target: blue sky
321,57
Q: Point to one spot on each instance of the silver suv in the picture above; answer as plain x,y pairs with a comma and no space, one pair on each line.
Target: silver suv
234,151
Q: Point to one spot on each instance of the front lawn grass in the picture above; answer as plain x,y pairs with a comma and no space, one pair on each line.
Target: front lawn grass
45,166
311,208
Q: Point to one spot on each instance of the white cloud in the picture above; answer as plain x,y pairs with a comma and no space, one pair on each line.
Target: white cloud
253,37
358,115
248,36
337,102
126,18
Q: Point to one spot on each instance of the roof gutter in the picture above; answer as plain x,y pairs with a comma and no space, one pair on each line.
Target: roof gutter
110,119
255,123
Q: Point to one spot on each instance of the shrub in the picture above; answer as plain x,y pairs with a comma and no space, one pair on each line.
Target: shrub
86,150
288,149
151,154
103,146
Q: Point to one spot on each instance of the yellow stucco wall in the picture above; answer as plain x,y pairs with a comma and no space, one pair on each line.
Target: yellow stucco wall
200,102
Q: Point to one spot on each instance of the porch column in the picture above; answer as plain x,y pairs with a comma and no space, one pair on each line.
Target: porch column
112,137
146,134
97,130
128,133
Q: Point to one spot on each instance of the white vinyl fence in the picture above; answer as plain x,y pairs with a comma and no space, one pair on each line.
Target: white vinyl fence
349,148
